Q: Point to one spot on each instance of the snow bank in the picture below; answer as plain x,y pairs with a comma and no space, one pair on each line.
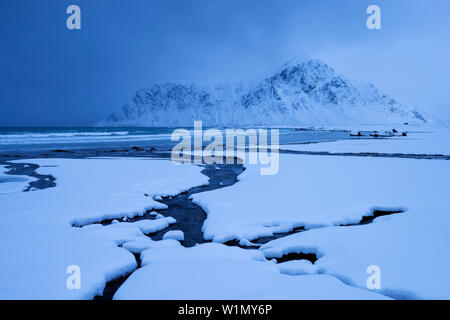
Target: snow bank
296,267
174,234
200,252
319,191
38,242
214,271
152,226
118,232
91,190
411,250
141,244
35,259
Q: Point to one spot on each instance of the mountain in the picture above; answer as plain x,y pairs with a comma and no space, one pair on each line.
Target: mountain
301,92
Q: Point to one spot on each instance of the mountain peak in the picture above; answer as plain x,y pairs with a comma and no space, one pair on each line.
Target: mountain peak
301,70
296,60
302,61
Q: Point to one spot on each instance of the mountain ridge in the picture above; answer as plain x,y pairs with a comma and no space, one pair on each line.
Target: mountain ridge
301,92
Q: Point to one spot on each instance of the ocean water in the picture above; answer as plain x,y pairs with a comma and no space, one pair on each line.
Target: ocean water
42,138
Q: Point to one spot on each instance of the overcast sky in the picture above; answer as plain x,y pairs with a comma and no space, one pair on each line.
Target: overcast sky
52,76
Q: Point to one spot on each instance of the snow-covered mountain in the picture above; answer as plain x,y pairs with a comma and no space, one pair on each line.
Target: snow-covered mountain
302,92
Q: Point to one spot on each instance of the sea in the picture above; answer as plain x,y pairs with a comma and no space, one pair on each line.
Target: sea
32,139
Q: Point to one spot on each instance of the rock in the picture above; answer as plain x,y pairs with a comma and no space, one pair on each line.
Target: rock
62,151
383,134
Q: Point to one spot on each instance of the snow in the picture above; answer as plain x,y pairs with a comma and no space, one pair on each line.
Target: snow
121,232
39,243
214,271
200,252
12,183
174,234
324,192
107,188
35,258
319,191
411,250
297,267
152,226
432,143
118,232
140,244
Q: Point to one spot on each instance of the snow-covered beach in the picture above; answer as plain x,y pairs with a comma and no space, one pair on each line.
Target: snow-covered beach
227,158
109,212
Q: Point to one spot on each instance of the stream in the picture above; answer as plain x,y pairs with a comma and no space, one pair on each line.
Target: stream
189,216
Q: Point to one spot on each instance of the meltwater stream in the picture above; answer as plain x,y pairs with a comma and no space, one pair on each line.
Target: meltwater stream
190,218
